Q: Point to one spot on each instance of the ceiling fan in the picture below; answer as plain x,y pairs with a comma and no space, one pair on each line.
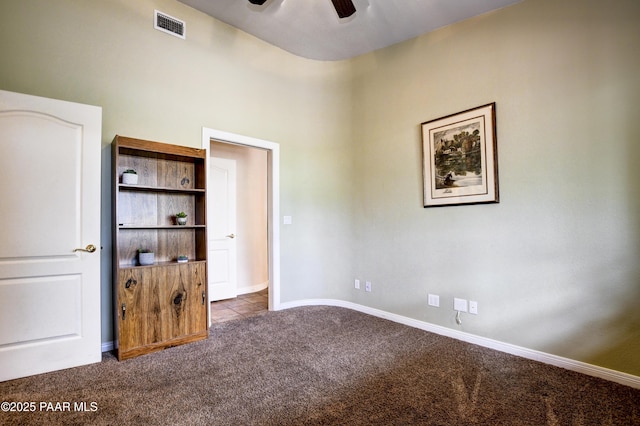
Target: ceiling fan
345,8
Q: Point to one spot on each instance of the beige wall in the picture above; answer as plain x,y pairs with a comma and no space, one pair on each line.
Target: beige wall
553,266
154,86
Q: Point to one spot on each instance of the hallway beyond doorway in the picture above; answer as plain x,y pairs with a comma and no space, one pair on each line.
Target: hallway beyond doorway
243,306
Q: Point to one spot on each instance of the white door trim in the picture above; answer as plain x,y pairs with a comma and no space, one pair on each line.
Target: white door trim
273,199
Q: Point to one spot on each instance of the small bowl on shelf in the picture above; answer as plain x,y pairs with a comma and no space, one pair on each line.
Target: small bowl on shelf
130,177
146,257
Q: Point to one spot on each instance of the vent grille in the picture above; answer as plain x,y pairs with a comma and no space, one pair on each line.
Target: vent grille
170,25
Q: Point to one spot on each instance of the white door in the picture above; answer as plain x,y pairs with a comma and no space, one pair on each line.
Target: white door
50,197
221,223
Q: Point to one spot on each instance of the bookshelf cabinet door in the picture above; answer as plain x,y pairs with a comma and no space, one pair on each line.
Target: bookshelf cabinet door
193,274
135,303
184,308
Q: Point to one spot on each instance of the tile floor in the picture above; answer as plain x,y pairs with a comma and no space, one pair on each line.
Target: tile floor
243,306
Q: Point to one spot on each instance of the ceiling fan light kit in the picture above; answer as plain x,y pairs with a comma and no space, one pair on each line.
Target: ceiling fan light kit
345,8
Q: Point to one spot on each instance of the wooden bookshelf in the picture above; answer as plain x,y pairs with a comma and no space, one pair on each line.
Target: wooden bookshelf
163,304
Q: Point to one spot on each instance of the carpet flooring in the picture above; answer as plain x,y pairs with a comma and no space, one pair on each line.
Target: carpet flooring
322,366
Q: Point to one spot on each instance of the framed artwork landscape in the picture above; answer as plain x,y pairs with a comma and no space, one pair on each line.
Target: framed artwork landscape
460,158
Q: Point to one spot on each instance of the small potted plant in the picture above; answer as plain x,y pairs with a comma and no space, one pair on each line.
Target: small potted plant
181,218
183,259
129,177
145,257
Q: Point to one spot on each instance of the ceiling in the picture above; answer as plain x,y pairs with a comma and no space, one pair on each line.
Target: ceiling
312,29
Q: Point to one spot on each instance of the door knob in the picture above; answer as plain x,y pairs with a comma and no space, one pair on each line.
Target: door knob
231,236
90,248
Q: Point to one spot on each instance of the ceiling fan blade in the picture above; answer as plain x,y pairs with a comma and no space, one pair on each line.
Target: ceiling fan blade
345,8
259,2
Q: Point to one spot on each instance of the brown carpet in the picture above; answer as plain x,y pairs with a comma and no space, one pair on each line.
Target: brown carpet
323,366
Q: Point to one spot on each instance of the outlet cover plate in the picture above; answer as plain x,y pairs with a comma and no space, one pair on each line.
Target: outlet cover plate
459,304
434,300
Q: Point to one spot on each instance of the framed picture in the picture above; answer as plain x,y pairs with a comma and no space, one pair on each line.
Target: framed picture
460,159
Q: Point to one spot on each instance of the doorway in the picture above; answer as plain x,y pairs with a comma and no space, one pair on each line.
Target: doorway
211,137
237,231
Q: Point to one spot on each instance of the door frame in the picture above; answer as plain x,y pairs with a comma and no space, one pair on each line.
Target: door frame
273,199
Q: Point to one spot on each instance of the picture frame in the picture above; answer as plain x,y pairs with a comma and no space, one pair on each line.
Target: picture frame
460,158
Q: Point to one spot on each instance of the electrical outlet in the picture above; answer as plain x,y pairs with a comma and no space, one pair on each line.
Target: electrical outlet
357,284
367,286
460,305
473,307
434,300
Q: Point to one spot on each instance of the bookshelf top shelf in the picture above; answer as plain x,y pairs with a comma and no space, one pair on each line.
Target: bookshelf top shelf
141,147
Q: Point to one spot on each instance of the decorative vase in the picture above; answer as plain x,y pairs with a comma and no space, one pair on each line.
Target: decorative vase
146,258
129,178
181,220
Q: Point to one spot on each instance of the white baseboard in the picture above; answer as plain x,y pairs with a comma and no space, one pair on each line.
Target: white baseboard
108,346
566,363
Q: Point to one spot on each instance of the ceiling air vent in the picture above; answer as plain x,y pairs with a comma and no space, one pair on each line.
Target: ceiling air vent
170,25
